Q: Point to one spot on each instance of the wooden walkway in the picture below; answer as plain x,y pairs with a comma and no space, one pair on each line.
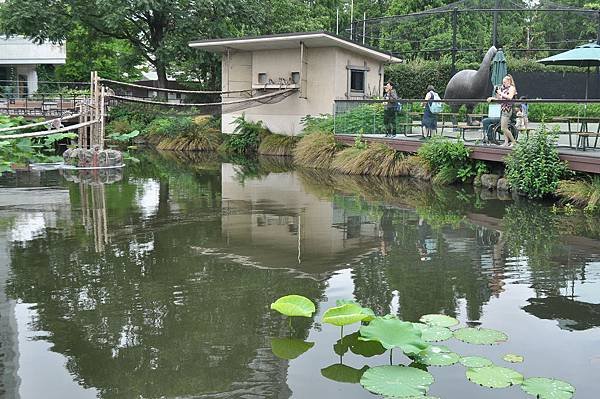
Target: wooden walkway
580,161
48,108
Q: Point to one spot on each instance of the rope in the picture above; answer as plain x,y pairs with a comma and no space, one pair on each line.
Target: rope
48,132
173,90
245,100
10,129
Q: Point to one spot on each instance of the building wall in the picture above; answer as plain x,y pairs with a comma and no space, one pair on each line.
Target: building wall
21,51
326,79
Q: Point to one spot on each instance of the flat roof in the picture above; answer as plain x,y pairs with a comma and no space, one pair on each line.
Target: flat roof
290,40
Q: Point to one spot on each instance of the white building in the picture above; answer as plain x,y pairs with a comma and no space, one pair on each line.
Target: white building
323,67
19,58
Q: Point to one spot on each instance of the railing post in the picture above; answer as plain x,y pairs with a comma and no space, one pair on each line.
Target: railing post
454,31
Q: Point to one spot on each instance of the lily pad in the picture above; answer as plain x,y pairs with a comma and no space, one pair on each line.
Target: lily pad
437,356
369,314
289,348
475,361
512,358
440,320
394,333
433,333
548,388
343,373
494,376
480,336
294,305
397,381
343,315
358,346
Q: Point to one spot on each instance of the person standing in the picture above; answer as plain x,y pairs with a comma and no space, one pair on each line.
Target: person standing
429,121
391,108
507,91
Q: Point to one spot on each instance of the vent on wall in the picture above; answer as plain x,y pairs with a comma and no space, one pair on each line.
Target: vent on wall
295,77
262,78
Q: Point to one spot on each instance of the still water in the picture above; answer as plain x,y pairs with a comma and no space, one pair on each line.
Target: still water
157,283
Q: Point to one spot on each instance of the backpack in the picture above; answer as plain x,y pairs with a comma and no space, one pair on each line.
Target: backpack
435,106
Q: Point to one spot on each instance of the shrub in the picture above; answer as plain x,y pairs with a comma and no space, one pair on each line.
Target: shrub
376,160
533,168
583,193
315,150
445,158
544,112
321,123
277,144
246,137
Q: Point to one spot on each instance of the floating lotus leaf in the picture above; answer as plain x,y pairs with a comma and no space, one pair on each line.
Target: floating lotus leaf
548,388
343,373
358,346
370,315
494,376
393,333
294,305
512,358
433,333
343,315
341,302
437,356
397,381
475,361
480,336
440,320
289,348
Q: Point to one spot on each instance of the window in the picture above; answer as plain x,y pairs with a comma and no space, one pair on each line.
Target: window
357,81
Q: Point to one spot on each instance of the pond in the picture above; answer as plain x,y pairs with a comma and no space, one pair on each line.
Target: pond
157,282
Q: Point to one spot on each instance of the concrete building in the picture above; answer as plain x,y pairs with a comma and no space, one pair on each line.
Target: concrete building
323,67
19,58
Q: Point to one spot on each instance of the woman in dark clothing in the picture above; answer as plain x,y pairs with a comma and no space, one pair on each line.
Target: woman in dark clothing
391,108
429,118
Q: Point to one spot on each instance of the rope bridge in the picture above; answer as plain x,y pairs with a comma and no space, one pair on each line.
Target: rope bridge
91,112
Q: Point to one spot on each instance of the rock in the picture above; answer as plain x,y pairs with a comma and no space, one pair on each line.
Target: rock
477,181
92,157
503,185
489,181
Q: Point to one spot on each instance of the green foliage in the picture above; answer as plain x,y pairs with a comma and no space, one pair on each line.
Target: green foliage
437,356
439,320
397,381
582,192
345,314
494,376
321,123
315,150
533,168
447,159
277,144
547,388
294,305
394,333
480,336
289,348
475,361
411,79
433,333
545,112
246,136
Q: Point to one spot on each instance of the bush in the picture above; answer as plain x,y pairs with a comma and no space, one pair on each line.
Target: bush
533,168
445,158
583,193
277,144
375,160
315,150
321,123
246,137
544,112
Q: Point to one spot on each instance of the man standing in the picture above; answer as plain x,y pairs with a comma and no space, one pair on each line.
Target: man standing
391,107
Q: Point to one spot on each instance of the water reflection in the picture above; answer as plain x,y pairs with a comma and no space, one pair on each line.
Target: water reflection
158,285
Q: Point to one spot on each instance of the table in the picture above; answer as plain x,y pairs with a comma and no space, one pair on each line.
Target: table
583,132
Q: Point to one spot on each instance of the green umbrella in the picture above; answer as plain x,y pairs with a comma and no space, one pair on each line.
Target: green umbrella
498,70
587,55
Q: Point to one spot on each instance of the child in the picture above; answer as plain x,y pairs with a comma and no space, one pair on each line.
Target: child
522,119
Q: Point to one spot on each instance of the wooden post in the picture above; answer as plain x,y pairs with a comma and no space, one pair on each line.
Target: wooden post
102,116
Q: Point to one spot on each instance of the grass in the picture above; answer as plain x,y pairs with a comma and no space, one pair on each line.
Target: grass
195,139
376,160
582,193
277,144
315,150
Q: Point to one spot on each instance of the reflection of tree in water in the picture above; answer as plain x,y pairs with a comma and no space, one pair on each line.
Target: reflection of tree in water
149,317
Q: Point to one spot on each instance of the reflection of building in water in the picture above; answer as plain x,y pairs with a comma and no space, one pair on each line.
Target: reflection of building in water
93,213
9,346
276,222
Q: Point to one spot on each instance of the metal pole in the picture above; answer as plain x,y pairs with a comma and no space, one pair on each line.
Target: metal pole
351,19
495,26
454,29
364,27
337,21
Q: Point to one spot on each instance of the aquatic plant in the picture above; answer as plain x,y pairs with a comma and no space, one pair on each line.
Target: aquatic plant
437,356
294,305
475,361
315,150
431,333
445,158
512,358
289,348
480,336
347,313
277,144
397,381
440,320
494,376
376,160
392,333
547,388
342,373
584,193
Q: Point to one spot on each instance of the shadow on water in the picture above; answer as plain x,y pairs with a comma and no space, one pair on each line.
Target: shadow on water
158,283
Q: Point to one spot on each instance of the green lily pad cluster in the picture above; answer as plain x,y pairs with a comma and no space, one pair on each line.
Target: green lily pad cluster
378,334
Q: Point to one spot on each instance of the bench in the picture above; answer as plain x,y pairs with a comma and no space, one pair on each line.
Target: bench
410,126
463,127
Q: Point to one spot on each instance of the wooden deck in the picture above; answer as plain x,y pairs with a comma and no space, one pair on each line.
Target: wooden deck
47,108
580,161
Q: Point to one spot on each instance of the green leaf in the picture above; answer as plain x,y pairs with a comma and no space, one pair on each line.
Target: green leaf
358,346
397,381
475,361
548,388
437,356
512,358
289,348
294,305
394,333
343,373
439,320
494,376
433,333
370,315
480,336
343,315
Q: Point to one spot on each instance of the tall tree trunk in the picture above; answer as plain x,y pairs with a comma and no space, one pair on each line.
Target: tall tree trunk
161,71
